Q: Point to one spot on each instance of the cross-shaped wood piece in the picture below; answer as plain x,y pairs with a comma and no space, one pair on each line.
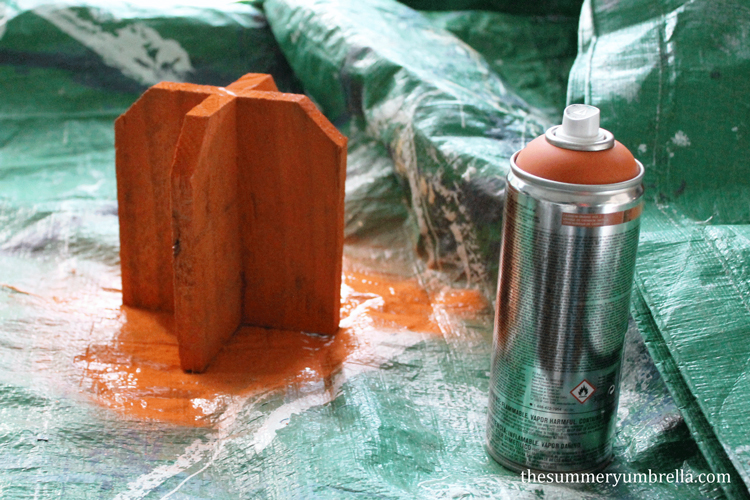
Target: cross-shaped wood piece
231,208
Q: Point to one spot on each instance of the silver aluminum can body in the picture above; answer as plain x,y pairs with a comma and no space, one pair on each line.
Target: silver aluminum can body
566,272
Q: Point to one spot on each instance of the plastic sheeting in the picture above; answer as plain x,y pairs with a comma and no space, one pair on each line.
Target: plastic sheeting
671,79
532,54
92,401
446,117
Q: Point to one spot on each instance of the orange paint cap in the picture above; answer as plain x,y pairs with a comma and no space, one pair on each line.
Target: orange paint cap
578,152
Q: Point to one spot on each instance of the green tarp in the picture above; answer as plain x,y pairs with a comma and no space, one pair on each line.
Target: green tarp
434,104
672,80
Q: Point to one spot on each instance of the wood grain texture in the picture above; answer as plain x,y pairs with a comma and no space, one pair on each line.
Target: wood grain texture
145,140
206,217
292,170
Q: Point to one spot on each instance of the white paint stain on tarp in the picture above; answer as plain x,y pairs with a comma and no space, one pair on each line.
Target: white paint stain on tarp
398,111
681,139
3,19
423,186
137,50
146,483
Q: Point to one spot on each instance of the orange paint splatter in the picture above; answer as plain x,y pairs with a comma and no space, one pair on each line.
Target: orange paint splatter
138,373
461,302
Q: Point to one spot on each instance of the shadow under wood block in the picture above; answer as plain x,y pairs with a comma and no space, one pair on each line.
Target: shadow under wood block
231,211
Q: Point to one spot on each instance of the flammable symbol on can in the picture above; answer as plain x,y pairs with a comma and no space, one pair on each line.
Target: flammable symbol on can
583,391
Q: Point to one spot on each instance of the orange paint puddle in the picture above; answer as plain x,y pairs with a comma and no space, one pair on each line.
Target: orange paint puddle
138,373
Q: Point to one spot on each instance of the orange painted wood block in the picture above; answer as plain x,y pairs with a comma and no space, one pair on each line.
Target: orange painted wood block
145,141
243,224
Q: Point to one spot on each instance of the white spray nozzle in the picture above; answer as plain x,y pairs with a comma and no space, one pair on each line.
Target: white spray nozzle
580,121
580,130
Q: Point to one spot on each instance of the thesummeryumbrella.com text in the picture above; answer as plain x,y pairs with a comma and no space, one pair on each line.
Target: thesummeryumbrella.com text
615,478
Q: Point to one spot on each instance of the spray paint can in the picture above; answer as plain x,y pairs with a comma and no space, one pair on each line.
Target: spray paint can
570,234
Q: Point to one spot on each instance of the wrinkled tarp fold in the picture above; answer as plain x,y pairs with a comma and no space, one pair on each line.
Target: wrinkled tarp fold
448,120
671,79
433,110
670,90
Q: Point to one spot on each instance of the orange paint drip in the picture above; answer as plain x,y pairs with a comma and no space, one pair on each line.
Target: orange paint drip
138,373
